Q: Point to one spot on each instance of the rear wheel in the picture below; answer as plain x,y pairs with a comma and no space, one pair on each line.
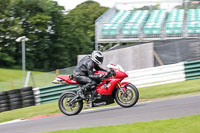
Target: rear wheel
69,109
131,97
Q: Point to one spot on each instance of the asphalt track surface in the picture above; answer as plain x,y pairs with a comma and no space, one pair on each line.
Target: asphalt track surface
147,111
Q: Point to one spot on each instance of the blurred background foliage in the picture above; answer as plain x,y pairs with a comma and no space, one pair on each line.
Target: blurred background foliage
56,37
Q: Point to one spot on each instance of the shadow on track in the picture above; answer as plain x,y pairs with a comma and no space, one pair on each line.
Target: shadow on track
107,109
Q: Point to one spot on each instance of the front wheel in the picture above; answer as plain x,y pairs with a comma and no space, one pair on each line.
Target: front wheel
69,109
131,97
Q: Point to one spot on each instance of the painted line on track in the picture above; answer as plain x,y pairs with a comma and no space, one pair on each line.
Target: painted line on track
43,116
14,121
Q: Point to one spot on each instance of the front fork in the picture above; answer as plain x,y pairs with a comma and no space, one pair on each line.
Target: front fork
123,89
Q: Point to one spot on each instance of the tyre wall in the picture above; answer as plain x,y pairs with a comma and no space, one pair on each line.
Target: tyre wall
18,98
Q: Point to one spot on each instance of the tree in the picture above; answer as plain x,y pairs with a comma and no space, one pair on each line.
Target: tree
55,38
193,4
39,20
80,29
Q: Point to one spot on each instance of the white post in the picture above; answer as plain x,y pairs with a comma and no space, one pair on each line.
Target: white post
27,78
23,55
23,39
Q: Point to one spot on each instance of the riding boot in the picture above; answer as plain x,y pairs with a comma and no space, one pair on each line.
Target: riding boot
91,87
82,91
87,87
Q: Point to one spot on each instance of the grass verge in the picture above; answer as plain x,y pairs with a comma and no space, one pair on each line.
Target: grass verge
147,93
190,124
14,79
11,74
28,112
173,89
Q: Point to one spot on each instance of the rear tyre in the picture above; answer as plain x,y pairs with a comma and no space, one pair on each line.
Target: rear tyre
128,100
67,109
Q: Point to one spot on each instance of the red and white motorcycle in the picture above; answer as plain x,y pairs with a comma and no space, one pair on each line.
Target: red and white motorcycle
109,89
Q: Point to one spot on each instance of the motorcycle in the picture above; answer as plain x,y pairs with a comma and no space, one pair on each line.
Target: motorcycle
110,89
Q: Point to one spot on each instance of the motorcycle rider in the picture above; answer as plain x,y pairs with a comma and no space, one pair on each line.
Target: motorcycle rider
84,71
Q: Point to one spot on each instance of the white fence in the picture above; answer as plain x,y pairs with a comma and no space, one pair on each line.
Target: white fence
157,75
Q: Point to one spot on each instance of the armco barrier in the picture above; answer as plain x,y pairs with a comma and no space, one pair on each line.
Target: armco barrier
157,75
192,70
51,93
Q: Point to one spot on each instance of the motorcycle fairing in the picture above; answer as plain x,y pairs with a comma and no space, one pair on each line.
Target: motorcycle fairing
105,100
67,79
107,86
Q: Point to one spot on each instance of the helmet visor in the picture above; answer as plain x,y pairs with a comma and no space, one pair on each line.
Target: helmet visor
100,59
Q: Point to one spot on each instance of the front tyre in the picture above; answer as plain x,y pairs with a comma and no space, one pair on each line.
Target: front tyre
131,97
69,109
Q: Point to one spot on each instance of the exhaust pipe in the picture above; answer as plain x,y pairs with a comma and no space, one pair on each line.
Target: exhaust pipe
55,82
58,81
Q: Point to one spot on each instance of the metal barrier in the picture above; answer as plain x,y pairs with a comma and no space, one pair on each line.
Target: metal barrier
157,75
192,70
165,74
51,93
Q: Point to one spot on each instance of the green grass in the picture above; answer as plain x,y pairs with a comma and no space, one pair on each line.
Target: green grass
13,79
174,89
11,74
28,112
190,124
7,75
185,87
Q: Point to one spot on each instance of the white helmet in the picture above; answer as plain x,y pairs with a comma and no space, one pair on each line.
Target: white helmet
97,57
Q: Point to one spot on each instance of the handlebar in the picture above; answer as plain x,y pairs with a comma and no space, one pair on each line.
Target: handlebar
110,73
